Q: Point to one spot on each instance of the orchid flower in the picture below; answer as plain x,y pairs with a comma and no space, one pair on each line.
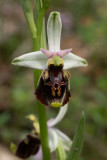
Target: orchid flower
31,144
53,88
54,133
39,59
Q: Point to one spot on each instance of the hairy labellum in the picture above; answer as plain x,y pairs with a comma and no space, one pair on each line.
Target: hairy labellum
29,146
53,87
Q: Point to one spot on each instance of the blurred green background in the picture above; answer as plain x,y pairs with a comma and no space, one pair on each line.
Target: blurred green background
84,30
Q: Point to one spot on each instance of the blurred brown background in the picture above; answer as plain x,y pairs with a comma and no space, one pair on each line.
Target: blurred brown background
84,30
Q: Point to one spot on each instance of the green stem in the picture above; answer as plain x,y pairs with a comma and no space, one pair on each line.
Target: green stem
43,131
42,118
42,123
28,12
43,36
39,40
42,10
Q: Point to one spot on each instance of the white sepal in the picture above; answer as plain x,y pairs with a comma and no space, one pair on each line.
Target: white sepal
64,138
54,27
53,139
59,117
35,60
71,61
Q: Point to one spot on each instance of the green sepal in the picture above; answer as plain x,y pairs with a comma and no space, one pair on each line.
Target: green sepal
61,154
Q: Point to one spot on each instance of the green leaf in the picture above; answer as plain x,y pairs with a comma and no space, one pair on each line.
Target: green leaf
39,24
77,142
28,12
60,151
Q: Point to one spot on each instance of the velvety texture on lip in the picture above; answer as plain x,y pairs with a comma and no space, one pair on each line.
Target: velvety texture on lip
29,146
53,89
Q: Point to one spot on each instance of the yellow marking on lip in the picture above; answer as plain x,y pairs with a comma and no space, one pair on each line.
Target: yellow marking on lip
53,92
59,92
56,104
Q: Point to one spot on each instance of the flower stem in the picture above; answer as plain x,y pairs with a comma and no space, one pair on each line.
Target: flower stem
28,12
42,116
42,123
43,131
39,40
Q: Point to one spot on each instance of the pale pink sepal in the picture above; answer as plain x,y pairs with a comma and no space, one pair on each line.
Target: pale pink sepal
64,52
47,53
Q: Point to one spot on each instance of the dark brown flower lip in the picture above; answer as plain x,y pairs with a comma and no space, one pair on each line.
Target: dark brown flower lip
29,146
53,87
